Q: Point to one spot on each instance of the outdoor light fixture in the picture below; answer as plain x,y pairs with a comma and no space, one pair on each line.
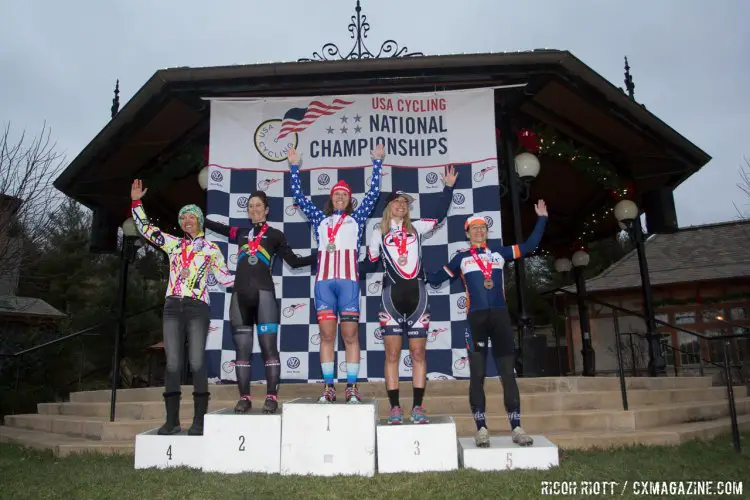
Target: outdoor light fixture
203,178
626,211
527,166
563,265
128,227
581,258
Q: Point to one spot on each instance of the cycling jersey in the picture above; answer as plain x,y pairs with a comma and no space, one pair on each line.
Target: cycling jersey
191,260
340,263
478,297
272,243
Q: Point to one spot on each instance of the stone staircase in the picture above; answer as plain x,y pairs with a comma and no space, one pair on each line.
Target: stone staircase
573,412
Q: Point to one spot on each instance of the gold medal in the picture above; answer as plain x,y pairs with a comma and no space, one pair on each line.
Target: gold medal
488,283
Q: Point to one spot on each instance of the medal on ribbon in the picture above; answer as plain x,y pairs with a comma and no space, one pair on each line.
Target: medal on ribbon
332,231
401,245
186,260
486,269
252,245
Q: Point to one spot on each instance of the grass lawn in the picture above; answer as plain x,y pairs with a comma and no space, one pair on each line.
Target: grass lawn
36,475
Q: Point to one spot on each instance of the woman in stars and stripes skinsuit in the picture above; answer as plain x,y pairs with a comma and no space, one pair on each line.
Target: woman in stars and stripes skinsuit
338,230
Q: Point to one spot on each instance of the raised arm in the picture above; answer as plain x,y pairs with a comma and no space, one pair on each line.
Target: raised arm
441,211
513,252
291,258
220,228
164,241
313,213
219,267
449,271
371,198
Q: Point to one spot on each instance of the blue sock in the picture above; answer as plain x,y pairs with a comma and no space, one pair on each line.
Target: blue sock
480,418
327,372
514,417
352,372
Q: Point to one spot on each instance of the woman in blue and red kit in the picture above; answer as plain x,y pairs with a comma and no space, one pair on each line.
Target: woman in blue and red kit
338,229
254,298
481,269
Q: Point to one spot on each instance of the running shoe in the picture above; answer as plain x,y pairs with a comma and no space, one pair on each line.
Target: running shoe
328,396
352,395
244,405
396,417
271,405
482,438
419,416
520,437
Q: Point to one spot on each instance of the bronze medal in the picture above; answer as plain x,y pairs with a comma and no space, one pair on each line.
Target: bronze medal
402,260
185,273
488,283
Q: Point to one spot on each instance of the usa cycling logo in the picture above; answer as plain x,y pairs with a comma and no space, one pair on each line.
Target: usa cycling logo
227,366
266,183
461,302
432,335
242,201
211,279
379,335
315,339
269,145
293,363
368,181
324,179
289,311
459,199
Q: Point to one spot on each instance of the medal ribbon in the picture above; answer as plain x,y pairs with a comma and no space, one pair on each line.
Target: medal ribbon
400,242
332,231
187,259
252,245
486,271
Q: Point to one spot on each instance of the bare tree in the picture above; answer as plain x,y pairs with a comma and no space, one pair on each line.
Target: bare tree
28,167
744,186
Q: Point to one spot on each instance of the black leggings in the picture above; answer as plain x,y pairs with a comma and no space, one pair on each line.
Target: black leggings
247,308
494,325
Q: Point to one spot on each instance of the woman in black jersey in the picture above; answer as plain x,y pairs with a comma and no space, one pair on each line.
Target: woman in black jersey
254,297
403,307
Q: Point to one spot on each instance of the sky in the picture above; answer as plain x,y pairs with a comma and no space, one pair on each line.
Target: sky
690,59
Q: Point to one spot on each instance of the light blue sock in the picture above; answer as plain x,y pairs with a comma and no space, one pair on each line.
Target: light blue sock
352,371
327,372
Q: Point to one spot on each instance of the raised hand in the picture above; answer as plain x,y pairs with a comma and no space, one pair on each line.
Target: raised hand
292,156
136,190
541,208
450,175
378,153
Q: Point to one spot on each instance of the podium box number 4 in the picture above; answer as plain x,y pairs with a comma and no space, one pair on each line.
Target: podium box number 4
235,443
418,447
328,439
177,450
504,454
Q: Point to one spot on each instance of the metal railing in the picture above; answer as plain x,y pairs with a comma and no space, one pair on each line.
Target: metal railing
18,355
726,366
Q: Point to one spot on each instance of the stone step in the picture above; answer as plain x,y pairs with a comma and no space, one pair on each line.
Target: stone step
62,445
536,422
534,402
441,387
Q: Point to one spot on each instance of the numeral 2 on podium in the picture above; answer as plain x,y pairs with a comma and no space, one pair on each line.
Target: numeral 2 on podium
242,443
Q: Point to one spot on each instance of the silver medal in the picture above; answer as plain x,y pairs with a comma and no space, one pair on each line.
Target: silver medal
252,258
331,247
402,260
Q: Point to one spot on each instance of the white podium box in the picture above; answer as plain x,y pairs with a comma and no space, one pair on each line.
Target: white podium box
328,439
177,450
504,454
234,443
417,447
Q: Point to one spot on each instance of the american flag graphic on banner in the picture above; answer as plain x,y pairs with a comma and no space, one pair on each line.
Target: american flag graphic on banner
298,119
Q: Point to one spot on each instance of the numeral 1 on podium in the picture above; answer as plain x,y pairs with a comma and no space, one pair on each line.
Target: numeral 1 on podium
328,423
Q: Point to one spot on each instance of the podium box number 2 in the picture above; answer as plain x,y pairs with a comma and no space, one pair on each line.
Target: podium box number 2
248,442
328,439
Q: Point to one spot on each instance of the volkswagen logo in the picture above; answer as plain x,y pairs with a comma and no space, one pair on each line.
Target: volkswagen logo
379,333
432,178
461,302
242,201
376,226
489,220
407,361
324,179
435,286
354,203
342,366
211,279
293,363
315,339
458,199
217,176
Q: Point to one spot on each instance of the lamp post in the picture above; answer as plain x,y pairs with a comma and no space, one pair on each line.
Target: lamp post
580,259
129,236
627,214
520,169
